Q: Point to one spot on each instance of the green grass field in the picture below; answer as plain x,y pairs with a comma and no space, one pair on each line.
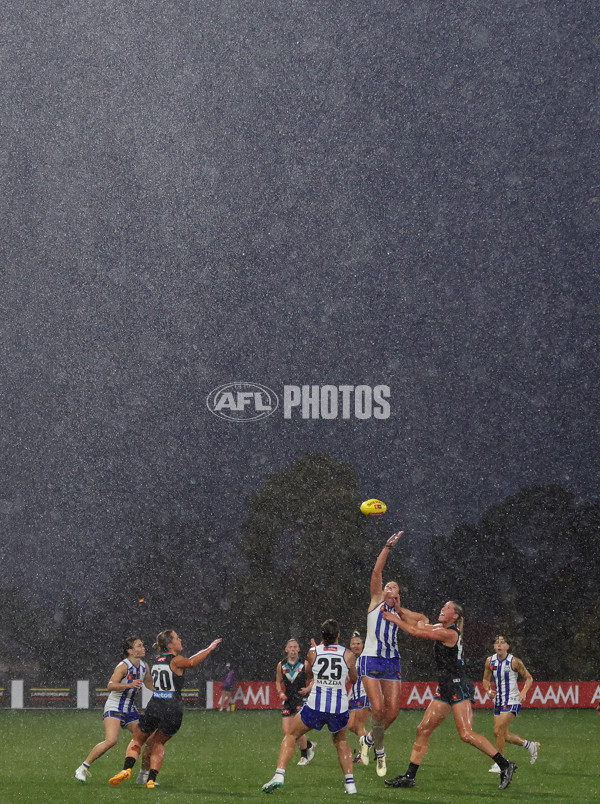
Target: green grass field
226,757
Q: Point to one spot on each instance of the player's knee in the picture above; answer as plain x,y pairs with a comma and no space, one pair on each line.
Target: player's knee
466,735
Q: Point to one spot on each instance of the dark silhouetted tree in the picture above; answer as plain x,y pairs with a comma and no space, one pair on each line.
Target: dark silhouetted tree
524,570
309,554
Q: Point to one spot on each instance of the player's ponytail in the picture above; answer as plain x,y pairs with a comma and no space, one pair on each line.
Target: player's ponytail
162,641
461,616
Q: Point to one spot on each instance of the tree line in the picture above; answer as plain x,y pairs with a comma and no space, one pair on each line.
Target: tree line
527,569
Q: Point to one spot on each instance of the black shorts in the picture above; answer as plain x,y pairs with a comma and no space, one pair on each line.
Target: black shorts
455,690
290,711
165,716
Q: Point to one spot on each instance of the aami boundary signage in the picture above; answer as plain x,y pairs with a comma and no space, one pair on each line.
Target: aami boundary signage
543,694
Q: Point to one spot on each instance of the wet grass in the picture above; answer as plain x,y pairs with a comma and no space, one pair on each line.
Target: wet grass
226,757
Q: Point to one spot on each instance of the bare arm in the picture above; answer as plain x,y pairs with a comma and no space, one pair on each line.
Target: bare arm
487,679
350,659
412,617
308,663
422,630
377,574
279,683
181,663
116,680
524,673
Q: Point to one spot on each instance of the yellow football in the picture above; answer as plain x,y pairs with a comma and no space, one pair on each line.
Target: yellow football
373,507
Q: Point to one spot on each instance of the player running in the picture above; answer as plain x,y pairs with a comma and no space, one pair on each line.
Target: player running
453,695
504,670
164,713
120,711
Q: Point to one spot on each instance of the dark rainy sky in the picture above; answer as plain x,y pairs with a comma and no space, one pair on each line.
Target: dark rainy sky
285,192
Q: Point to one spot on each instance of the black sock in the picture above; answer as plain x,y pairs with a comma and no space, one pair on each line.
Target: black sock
304,752
129,763
412,770
152,775
501,761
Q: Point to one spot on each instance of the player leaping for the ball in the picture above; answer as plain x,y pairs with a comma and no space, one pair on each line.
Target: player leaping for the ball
454,694
379,663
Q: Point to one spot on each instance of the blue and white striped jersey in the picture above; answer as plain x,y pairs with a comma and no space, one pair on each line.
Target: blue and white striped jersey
357,690
505,679
328,693
381,634
124,701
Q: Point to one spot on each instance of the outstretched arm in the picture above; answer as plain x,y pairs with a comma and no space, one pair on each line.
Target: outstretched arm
412,617
377,574
423,630
182,663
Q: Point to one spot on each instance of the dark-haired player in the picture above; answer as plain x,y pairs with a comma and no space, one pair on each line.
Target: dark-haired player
504,670
120,711
164,712
330,665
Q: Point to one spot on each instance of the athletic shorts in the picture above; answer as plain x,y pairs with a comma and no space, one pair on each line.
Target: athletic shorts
316,720
382,669
125,717
165,716
503,710
359,703
290,711
454,691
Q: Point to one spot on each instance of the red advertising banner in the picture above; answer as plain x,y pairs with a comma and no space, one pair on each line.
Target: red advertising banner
246,695
543,694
